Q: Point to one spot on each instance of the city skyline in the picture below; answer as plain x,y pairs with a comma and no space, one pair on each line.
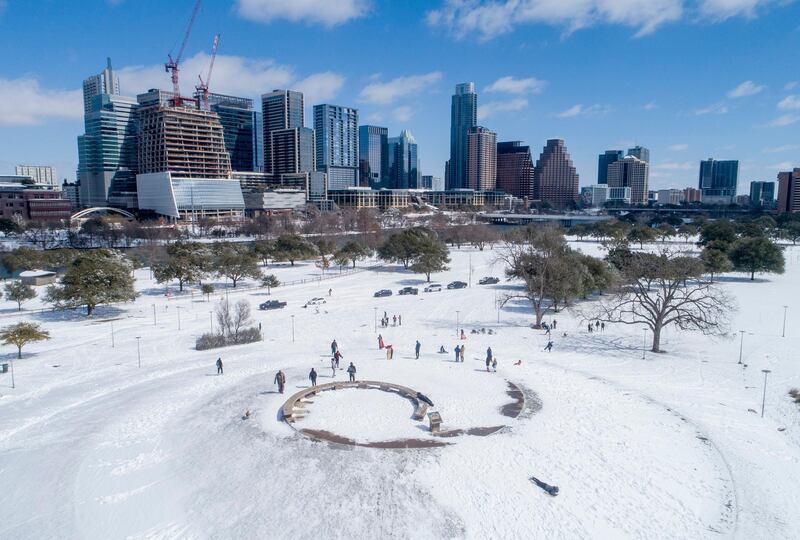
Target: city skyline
525,75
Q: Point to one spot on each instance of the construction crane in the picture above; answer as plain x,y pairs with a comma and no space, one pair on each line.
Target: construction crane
202,88
172,64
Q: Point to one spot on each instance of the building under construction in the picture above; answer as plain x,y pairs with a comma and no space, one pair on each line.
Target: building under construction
176,136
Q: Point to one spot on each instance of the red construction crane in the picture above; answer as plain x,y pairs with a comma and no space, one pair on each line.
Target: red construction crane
202,88
172,65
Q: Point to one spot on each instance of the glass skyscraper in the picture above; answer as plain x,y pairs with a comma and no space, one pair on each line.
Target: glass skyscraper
336,132
105,82
238,121
373,156
515,169
403,162
640,152
463,116
719,181
604,160
280,110
762,194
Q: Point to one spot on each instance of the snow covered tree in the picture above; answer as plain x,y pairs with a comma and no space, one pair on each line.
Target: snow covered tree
235,262
20,293
291,247
207,289
270,281
21,334
641,234
756,254
659,290
716,261
405,246
186,262
350,253
432,256
665,231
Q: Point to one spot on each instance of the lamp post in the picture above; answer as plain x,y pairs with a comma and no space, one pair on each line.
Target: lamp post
11,361
764,396
741,345
376,319
155,322
783,333
211,318
644,342
112,334
179,316
292,328
458,314
139,349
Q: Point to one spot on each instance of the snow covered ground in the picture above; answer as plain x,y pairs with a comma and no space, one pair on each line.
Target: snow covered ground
92,446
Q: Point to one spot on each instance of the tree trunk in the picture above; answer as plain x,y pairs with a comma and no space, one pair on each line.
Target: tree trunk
656,340
19,351
89,309
428,276
180,285
752,275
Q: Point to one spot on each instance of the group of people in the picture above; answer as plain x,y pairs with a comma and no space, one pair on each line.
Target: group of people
280,377
491,360
397,320
596,326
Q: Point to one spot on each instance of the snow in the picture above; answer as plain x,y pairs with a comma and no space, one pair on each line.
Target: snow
92,446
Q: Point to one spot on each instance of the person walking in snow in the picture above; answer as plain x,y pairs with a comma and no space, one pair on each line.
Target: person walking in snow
330,292
494,364
380,342
312,376
489,354
399,320
416,349
488,363
337,356
219,366
394,320
351,369
458,352
590,327
555,323
280,380
334,365
389,352
462,352
463,336
334,347
602,327
597,324
549,346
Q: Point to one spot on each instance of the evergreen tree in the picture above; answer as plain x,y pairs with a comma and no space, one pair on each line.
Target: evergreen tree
21,334
20,293
756,254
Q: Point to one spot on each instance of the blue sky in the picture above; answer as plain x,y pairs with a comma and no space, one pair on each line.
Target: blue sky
689,79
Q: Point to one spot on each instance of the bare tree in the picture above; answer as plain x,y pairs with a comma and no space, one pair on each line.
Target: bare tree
241,317
666,289
224,317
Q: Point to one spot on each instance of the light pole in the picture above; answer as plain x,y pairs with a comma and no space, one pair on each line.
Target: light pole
292,328
139,349
458,314
783,334
741,345
764,396
179,317
11,361
155,323
644,342
211,318
470,270
376,319
112,334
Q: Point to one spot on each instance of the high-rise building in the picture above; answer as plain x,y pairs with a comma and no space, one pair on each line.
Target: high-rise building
463,116
604,160
555,179
718,181
481,159
640,152
41,174
180,139
105,82
336,131
762,194
373,156
403,161
70,191
280,110
515,169
238,119
630,172
789,191
292,150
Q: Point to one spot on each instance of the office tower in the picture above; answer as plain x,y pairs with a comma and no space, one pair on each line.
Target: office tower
238,119
630,172
604,160
280,110
789,191
258,144
106,82
762,194
640,152
336,131
292,150
463,116
403,161
373,156
555,179
481,159
718,181
180,139
515,169
41,174
107,152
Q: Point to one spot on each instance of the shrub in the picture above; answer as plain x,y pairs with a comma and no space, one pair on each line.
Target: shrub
215,341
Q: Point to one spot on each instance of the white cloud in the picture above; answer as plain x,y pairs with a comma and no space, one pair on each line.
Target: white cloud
679,147
785,120
782,166
747,88
491,108
511,85
675,166
791,85
714,108
789,103
387,92
320,87
23,102
719,10
375,118
780,149
581,110
325,12
649,106
402,114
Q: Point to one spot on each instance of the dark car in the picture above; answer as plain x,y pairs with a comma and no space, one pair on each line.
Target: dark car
456,285
489,281
383,292
272,304
408,290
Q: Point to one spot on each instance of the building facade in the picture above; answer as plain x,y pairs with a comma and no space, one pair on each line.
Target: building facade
789,191
336,130
105,82
292,150
373,156
762,194
190,198
515,169
604,160
640,152
555,179
692,195
463,116
481,159
669,197
403,161
40,174
37,204
280,110
238,119
719,181
630,172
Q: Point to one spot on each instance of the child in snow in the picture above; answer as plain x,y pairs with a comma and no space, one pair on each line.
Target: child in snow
334,363
389,352
549,346
442,349
494,364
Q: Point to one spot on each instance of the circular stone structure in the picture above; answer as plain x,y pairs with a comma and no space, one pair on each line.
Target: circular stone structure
294,409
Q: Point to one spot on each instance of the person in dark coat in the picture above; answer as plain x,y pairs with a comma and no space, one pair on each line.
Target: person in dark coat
219,366
458,352
549,346
488,363
489,354
416,348
312,375
337,356
334,347
280,380
351,370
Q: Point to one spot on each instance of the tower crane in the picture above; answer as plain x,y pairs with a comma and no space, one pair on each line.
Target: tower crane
171,66
202,88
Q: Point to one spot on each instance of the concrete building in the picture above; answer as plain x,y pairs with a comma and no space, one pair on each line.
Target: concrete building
463,116
789,191
71,192
105,82
273,201
403,161
692,195
640,152
762,194
604,160
433,183
37,203
619,195
481,159
361,197
40,174
594,196
189,199
280,110
555,179
630,172
719,181
669,197
515,169
238,119
336,131
456,198
373,156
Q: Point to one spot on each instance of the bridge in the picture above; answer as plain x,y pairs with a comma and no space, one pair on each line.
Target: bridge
86,213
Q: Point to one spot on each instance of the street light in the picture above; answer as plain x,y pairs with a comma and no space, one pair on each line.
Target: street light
741,344
764,396
376,318
179,316
644,342
11,361
458,313
112,334
783,334
211,318
155,323
292,328
139,349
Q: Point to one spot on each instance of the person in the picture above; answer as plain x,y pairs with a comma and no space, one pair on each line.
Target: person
590,328
442,349
597,324
458,352
518,363
330,292
416,349
555,323
219,366
462,352
337,356
494,364
489,353
488,363
399,320
380,342
351,369
602,327
334,347
280,380
549,346
389,352
394,320
334,365
463,336
312,375
546,327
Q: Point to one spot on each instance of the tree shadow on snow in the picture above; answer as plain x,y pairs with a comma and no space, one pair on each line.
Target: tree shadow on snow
76,314
740,279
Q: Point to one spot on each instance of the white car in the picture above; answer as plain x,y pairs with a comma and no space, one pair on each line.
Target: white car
315,302
433,287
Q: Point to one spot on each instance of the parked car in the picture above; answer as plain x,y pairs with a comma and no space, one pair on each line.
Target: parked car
456,285
489,281
272,304
382,292
408,290
315,302
433,287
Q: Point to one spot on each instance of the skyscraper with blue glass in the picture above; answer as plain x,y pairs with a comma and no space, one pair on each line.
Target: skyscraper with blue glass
463,116
373,156
403,162
336,131
719,181
604,160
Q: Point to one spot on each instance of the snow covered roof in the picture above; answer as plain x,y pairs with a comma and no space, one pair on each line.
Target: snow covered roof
36,273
